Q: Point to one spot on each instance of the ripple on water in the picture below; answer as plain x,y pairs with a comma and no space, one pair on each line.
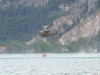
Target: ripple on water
34,65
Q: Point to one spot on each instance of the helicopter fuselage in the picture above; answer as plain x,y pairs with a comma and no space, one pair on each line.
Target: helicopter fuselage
46,33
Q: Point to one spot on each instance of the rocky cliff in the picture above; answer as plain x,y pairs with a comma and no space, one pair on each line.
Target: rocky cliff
87,15
91,28
4,4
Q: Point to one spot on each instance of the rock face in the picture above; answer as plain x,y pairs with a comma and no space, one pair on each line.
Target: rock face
91,5
4,4
88,26
89,29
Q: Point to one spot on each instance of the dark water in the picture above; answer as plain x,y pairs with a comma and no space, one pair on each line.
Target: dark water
53,64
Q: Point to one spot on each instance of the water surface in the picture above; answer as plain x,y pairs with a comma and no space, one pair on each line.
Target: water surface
53,64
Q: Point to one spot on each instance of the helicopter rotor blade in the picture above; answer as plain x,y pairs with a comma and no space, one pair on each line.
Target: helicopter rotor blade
44,27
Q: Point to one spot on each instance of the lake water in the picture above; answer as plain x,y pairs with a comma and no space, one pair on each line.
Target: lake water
53,64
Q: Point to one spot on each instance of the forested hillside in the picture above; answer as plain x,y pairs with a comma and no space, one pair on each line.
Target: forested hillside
21,20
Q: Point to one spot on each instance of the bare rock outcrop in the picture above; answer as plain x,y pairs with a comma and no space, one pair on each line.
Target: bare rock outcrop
91,28
4,4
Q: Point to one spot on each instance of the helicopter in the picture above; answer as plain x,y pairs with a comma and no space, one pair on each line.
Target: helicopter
47,32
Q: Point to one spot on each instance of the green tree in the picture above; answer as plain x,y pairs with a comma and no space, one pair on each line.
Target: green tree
73,47
84,43
56,47
42,46
14,47
97,37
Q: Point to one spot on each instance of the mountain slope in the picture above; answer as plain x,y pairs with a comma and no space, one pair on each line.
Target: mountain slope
21,20
90,28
